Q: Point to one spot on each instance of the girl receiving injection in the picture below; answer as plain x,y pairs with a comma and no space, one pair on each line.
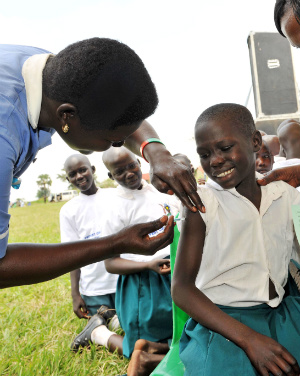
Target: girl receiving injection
232,264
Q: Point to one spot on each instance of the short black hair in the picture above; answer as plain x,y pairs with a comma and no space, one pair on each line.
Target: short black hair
281,7
240,116
71,75
264,143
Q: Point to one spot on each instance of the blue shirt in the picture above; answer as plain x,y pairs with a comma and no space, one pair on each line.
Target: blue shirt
19,142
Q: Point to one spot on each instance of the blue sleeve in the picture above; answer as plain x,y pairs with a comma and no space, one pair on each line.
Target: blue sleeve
7,160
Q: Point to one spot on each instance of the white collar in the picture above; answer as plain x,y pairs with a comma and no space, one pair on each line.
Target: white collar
270,192
32,73
129,193
214,185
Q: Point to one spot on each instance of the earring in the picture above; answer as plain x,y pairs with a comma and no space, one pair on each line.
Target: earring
65,128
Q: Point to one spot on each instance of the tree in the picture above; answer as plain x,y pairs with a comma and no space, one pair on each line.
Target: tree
44,181
107,183
63,177
43,192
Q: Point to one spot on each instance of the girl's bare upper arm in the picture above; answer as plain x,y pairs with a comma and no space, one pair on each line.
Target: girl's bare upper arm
190,247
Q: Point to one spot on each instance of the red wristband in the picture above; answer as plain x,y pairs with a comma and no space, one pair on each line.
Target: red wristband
149,141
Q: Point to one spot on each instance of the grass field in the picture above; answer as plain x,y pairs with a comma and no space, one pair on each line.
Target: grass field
37,324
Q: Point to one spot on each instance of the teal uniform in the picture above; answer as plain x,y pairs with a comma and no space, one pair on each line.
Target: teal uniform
206,353
144,308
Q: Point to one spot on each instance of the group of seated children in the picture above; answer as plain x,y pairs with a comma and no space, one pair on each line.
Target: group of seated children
232,267
136,286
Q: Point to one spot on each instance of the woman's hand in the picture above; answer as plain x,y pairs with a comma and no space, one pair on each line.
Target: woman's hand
170,176
136,239
266,355
290,175
167,174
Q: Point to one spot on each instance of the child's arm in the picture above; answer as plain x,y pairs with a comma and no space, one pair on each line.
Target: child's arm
68,233
118,265
79,306
265,354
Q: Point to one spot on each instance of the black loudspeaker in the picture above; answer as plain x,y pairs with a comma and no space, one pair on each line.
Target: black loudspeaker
274,85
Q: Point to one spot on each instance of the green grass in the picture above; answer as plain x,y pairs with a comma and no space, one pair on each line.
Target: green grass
37,324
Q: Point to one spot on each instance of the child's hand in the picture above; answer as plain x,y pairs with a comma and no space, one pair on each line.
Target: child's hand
79,308
266,355
160,266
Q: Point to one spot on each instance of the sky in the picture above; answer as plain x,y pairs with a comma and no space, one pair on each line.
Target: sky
195,51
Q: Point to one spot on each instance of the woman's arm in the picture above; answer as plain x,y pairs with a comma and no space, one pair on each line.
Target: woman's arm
167,175
290,175
264,353
32,263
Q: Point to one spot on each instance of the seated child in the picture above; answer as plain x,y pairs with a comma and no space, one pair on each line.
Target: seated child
143,298
83,217
273,143
232,261
264,159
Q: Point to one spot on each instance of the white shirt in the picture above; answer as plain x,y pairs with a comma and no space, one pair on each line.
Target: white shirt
286,162
83,217
245,248
277,158
131,207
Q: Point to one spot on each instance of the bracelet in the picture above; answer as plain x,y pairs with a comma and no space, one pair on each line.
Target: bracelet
148,141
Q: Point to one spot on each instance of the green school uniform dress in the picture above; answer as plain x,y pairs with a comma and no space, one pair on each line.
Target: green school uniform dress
144,307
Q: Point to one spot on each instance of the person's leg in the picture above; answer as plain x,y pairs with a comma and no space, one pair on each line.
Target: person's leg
286,324
96,330
150,293
143,363
115,342
84,338
95,302
104,337
151,347
204,352
108,312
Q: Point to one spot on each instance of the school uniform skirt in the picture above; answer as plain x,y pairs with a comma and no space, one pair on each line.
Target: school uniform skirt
206,353
144,308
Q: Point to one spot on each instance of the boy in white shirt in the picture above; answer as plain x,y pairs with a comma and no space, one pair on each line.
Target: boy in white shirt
264,159
143,300
273,143
83,217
